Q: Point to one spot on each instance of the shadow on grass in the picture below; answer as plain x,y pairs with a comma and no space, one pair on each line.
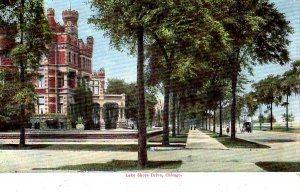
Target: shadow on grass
182,138
236,143
118,165
80,147
276,140
274,166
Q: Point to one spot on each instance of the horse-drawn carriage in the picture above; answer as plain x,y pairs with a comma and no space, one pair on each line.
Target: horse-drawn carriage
247,126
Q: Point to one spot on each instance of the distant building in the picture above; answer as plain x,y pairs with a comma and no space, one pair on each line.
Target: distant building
67,67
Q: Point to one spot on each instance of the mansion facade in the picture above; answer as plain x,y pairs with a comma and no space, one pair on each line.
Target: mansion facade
68,66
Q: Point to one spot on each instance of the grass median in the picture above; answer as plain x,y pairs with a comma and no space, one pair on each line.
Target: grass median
72,147
236,143
274,166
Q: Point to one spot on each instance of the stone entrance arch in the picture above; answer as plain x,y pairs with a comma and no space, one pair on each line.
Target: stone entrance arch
110,115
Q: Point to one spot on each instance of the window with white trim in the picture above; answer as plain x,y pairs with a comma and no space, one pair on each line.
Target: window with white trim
96,90
61,104
41,82
41,105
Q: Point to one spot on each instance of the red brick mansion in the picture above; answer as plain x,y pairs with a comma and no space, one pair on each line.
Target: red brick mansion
68,66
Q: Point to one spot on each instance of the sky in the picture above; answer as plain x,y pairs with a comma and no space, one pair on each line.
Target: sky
123,66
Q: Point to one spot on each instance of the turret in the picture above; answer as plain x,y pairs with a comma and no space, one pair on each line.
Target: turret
90,41
51,19
70,18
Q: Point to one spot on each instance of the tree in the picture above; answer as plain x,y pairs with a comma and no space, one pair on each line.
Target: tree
268,92
259,34
82,106
10,87
251,103
179,53
290,117
261,118
117,86
33,35
125,23
290,84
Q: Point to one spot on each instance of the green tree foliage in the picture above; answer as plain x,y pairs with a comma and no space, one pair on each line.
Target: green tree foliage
259,34
82,107
178,53
188,43
32,34
125,23
289,85
117,86
262,118
10,87
110,115
251,103
268,92
290,117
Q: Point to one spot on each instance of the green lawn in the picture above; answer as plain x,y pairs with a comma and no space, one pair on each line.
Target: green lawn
81,147
118,165
283,129
236,143
279,166
177,139
280,128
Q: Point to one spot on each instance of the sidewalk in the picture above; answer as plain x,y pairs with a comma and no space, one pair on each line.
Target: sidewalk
209,155
198,140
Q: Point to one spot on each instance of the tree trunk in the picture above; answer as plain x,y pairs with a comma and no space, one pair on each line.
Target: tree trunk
22,79
142,142
173,115
271,118
181,127
221,127
233,104
208,117
287,113
206,123
178,117
214,122
165,140
181,120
